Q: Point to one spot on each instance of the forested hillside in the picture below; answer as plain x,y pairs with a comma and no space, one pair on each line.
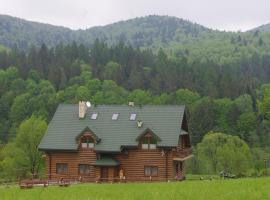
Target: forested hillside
215,75
151,31
143,32
213,63
262,28
231,99
222,77
15,31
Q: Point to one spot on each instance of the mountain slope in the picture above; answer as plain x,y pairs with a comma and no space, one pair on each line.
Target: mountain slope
262,28
150,31
24,33
176,36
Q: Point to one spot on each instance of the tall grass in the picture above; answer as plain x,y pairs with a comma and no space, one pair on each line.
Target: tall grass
240,189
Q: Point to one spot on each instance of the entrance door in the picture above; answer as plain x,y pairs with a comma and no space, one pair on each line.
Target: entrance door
104,173
179,170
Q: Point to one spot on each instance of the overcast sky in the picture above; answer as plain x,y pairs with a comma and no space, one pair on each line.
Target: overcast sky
218,14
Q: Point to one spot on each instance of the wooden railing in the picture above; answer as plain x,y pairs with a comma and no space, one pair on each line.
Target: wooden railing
111,180
182,153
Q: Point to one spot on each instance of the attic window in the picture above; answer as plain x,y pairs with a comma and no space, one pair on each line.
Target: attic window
132,117
87,142
115,116
149,142
94,116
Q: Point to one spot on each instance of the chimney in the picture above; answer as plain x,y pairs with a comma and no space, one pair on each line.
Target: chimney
131,103
82,109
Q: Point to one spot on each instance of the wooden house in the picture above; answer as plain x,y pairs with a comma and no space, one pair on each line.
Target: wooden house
117,143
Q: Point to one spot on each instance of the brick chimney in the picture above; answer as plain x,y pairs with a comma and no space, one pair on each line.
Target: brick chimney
82,109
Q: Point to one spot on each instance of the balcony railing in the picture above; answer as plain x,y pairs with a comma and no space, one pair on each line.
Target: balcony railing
182,153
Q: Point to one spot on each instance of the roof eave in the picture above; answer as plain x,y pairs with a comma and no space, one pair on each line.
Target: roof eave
108,151
62,150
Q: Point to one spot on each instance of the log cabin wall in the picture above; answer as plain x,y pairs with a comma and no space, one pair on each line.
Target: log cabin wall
73,159
133,165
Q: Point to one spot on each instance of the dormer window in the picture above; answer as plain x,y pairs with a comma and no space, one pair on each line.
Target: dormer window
149,142
87,138
94,116
115,116
148,139
87,142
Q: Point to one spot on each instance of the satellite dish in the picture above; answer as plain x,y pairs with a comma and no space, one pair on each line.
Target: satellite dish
88,104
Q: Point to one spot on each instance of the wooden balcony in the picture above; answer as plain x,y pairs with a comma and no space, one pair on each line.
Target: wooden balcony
182,154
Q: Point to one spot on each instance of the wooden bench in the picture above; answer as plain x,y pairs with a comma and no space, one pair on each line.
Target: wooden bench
27,184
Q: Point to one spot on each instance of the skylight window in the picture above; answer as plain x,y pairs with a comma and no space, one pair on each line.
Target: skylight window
132,117
115,116
94,116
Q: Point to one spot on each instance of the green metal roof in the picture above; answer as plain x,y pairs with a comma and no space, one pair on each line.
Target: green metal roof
163,120
106,161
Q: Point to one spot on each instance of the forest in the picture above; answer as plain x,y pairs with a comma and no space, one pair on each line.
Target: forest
34,82
223,79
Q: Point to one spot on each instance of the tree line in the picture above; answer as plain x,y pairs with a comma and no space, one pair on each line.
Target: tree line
216,76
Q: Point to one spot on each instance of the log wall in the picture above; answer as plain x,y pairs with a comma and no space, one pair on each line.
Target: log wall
73,159
133,165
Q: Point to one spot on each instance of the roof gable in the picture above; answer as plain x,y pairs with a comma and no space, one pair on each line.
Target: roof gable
147,131
87,130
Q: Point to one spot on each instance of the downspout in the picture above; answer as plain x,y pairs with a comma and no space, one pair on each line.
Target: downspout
167,166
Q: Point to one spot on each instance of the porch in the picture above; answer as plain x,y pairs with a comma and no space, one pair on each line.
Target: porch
107,169
180,155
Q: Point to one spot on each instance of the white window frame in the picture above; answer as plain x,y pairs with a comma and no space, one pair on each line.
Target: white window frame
152,146
132,116
115,116
91,145
94,116
84,145
145,146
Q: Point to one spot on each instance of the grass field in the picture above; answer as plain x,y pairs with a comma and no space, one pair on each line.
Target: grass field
255,189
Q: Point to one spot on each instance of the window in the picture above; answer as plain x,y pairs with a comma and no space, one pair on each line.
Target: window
84,169
61,168
149,143
132,117
150,171
84,145
87,142
115,116
144,146
91,145
94,116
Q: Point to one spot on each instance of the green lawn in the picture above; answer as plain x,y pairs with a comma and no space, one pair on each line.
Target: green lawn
255,189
